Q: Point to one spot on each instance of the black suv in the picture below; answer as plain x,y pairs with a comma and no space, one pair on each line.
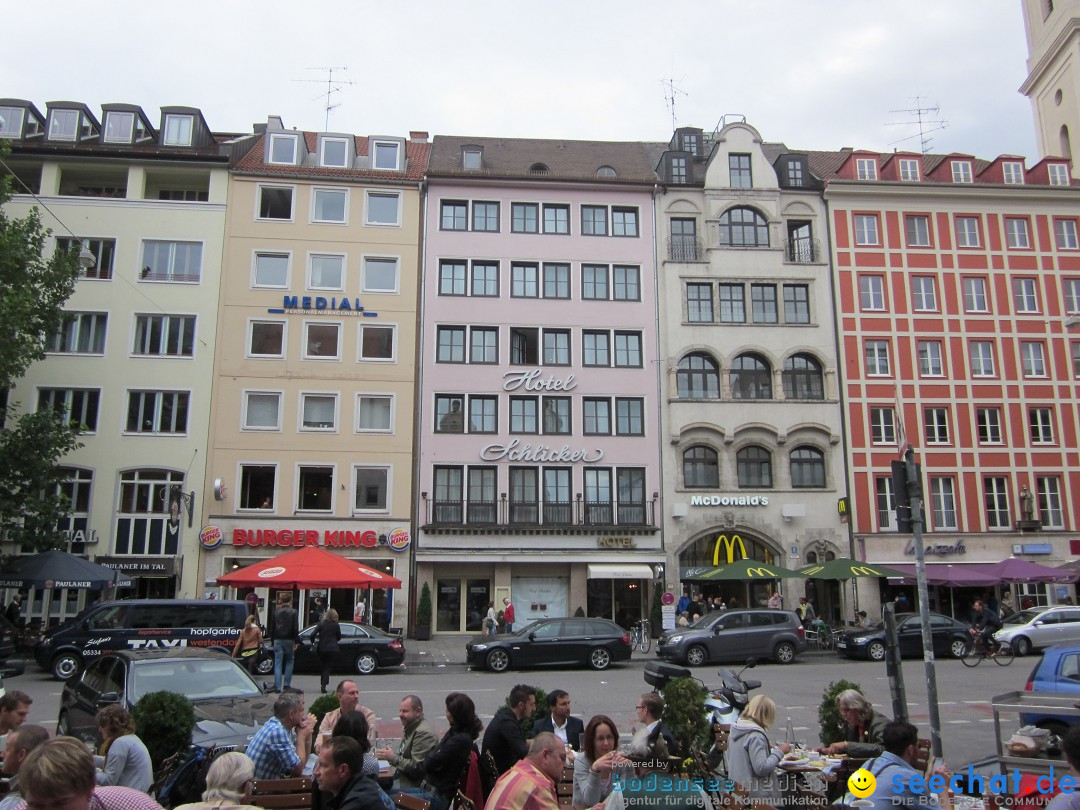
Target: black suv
733,635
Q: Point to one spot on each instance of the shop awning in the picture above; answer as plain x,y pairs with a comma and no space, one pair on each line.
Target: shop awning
624,571
954,575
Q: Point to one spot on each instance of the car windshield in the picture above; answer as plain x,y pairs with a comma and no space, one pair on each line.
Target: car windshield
1025,616
524,631
195,679
705,621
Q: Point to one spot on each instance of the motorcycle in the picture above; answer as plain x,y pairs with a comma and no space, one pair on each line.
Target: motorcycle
724,703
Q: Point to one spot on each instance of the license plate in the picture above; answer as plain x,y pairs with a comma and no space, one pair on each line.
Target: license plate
841,645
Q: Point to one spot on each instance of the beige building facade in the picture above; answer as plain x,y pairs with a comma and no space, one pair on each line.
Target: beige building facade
1053,82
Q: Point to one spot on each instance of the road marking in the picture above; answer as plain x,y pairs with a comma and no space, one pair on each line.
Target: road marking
957,722
976,703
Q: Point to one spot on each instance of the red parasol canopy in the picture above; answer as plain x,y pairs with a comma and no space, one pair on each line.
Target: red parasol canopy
308,567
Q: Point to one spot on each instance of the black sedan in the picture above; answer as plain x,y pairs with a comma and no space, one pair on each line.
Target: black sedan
229,705
362,650
951,638
559,642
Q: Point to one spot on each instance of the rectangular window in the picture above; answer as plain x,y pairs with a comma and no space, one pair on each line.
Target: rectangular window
1059,174
82,333
449,413
556,280
943,503
961,171
699,303
628,350
909,170
524,217
485,217
877,358
380,275
1016,233
678,169
629,416
886,506
262,410
524,346
1025,295
179,262
598,496
967,232
372,489
883,426
732,299
329,205
557,416
523,415
872,293
318,412
1072,295
335,152
556,347
595,348
1013,173
282,148
796,303
594,220
483,414
484,281
257,486
917,229
739,171
375,413
794,172
276,203
322,341
975,294
450,344
481,495
981,354
1075,349
989,425
936,425
451,277
118,126
157,412
624,222
596,416
626,283
377,343
78,405
556,218
326,272
177,130
524,281
763,303
454,215
266,339
102,249
1051,513
1041,425
11,119
866,229
383,208
930,364
1065,234
271,270
484,344
386,155
924,294
996,500
594,282
164,336
1033,358
866,169
448,494
471,159
557,503
63,125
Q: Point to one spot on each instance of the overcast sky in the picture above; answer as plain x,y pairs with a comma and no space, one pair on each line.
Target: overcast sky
816,74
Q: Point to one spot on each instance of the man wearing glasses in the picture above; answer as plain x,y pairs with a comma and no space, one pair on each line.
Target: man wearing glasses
650,708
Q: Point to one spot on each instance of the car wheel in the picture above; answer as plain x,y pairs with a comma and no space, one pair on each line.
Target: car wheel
784,652
958,648
876,651
65,666
696,656
366,664
599,658
265,665
63,725
1022,645
498,661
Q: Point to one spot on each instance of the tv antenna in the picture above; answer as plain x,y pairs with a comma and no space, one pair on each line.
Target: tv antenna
670,94
923,121
332,86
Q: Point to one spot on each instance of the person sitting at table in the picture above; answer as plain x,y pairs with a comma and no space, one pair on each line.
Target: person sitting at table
1070,747
895,768
598,758
355,725
751,758
348,695
446,762
863,727
339,774
637,788
228,784
123,759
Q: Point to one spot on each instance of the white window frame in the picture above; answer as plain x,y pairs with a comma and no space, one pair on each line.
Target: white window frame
470,156
873,293
996,487
360,343
864,224
170,136
977,288
307,324
1012,172
877,358
1032,359
364,287
250,335
166,318
961,171
318,191
282,137
171,279
334,396
353,509
13,122
909,170
371,395
1025,292
258,202
936,428
159,399
1058,174
865,169
963,235
82,321
117,116
1048,492
924,294
1065,234
326,139
981,357
943,503
917,236
246,395
296,486
931,363
375,144
55,131
311,257
287,255
882,423
989,425
368,194
1072,295
1041,425
1017,233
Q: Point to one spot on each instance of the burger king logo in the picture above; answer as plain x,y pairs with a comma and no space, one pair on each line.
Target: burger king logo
211,537
270,573
398,539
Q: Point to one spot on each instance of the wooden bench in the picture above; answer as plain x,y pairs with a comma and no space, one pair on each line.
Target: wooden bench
282,794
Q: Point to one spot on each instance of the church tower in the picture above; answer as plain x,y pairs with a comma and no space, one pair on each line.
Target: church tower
1053,81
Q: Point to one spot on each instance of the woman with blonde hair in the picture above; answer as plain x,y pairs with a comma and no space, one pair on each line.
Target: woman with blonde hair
751,758
228,784
248,643
123,759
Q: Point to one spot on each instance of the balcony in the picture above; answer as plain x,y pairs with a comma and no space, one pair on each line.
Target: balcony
685,249
803,250
524,516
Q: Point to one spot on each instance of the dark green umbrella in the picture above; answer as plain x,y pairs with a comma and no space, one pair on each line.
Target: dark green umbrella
844,568
745,570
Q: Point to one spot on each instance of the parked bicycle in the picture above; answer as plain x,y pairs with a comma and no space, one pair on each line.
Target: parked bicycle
1000,652
641,635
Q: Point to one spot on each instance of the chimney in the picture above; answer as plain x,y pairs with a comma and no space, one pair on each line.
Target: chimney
418,135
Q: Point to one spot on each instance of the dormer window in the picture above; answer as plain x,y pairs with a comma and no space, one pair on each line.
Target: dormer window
63,125
689,142
119,126
386,155
961,171
177,130
283,148
11,120
472,159
795,172
1059,174
909,170
678,170
334,152
606,171
538,168
866,169
1013,173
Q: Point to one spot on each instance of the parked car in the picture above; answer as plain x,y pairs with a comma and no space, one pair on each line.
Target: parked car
568,641
1057,671
951,638
363,649
229,705
734,635
1039,627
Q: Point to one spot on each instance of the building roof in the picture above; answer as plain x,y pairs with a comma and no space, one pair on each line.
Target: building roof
416,161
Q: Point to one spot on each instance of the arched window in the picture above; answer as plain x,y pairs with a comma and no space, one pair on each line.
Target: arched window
803,378
538,168
807,467
701,468
743,227
605,171
755,467
751,377
698,377
811,557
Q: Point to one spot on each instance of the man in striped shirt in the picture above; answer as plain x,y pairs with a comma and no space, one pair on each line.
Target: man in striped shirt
530,784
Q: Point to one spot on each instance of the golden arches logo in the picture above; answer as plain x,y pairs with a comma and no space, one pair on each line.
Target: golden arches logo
760,572
730,546
811,571
865,571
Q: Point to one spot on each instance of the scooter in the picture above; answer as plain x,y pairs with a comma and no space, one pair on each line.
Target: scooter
724,703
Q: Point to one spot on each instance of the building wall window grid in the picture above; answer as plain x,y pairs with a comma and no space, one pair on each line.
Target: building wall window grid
967,232
975,295
318,412
981,356
701,468
322,341
143,512
377,343
930,358
330,205
315,488
996,502
1025,295
169,261
1058,174
807,467
79,406
1065,234
743,227
266,339
371,488
275,203
866,230
1041,425
1051,509
1012,172
924,294
936,425
270,270
157,412
877,358
750,377
258,487
909,170
917,230
81,333
1016,233
164,336
943,503
375,413
1033,358
739,171
698,377
988,421
883,426
326,271
754,467
872,292
866,169
802,378
262,410
961,171
104,251
730,303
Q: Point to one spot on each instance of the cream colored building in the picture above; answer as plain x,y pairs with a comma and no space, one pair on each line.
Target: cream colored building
313,398
1053,83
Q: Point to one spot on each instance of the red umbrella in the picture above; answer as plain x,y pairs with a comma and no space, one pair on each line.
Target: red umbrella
308,567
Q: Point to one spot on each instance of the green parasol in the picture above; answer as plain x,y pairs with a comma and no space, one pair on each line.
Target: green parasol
745,570
844,568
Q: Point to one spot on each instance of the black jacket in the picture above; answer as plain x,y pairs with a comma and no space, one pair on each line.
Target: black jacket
284,624
574,729
504,739
360,793
445,763
326,637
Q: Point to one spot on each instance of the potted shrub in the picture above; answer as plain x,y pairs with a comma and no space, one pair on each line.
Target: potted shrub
322,705
684,713
164,722
422,631
829,719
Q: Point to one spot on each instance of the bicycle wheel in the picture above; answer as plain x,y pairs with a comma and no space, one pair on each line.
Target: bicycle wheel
646,639
973,655
635,635
1004,655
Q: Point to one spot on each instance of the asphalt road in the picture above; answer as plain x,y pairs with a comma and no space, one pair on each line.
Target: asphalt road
964,694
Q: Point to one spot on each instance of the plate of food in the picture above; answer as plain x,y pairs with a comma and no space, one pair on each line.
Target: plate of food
794,761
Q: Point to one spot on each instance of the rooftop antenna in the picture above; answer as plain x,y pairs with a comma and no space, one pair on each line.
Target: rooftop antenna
332,86
670,93
925,123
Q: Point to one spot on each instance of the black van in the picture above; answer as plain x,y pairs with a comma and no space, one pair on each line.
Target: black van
139,624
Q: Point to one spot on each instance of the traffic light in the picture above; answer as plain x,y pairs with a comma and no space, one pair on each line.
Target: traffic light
903,491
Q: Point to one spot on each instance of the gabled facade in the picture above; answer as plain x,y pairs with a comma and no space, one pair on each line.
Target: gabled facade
1052,84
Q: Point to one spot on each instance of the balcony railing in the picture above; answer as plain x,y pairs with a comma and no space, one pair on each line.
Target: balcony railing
525,515
804,250
685,249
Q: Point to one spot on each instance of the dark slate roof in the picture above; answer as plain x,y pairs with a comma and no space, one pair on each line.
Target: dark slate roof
416,160
506,158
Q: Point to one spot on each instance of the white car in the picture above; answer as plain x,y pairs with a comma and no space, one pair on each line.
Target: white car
1040,627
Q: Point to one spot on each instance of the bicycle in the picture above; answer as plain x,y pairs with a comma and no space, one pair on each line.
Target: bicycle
641,635
1002,655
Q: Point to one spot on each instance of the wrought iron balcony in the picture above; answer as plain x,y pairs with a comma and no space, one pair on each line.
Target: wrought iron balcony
804,250
530,515
685,249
